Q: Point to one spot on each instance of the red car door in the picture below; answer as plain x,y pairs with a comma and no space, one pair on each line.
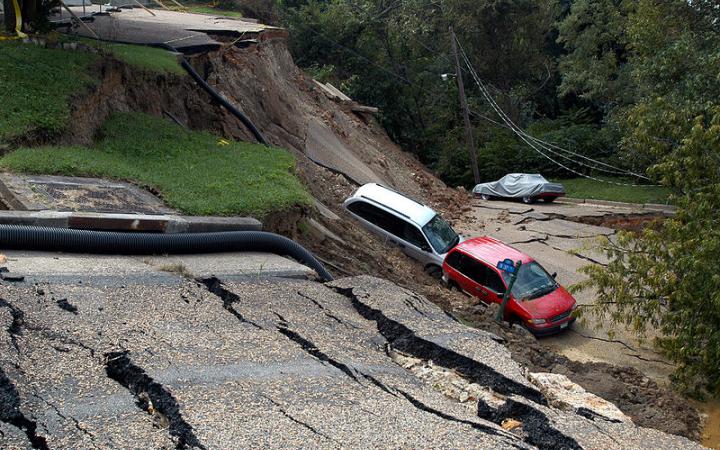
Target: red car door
493,286
458,268
474,276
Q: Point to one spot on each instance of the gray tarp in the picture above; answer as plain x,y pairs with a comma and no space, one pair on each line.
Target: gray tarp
518,185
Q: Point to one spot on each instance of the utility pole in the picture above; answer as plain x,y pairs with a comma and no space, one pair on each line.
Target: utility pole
466,111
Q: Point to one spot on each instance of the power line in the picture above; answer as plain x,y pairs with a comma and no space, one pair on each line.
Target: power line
521,134
546,145
527,138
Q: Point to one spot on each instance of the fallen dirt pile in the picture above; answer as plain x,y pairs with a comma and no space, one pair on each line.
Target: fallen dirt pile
646,403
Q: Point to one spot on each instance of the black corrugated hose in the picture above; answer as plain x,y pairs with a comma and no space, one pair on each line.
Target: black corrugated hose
215,95
21,237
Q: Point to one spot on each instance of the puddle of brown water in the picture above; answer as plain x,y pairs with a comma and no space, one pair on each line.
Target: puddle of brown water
711,433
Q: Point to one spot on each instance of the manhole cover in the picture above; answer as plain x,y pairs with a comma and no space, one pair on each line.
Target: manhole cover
36,193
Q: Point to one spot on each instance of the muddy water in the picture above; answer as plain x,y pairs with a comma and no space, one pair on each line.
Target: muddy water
711,434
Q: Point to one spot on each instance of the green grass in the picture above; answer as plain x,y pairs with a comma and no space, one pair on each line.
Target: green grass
209,9
141,57
36,85
192,171
597,190
144,57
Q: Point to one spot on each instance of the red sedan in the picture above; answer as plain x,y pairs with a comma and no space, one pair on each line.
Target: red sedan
536,300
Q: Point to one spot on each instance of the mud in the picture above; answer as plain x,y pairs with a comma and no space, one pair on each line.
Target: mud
711,417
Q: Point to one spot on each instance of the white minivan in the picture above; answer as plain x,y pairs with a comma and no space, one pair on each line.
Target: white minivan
418,230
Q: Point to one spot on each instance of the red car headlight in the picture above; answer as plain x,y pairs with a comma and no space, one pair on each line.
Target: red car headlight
537,321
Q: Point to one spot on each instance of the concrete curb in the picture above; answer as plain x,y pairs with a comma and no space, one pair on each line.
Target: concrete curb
668,209
129,222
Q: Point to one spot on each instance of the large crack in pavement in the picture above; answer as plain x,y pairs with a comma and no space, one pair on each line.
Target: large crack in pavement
404,340
151,397
544,241
478,426
326,311
538,432
11,414
215,286
312,349
15,329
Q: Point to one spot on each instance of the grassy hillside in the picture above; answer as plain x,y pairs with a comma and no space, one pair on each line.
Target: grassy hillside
37,82
36,87
195,172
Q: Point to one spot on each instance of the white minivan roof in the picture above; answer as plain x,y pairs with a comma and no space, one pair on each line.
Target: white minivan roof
416,212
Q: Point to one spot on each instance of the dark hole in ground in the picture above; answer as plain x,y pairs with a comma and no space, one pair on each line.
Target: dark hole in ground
539,432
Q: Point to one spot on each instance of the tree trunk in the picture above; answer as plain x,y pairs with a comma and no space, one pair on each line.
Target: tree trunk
9,15
29,11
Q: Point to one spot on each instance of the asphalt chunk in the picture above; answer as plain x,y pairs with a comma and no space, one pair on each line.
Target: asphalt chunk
228,298
65,305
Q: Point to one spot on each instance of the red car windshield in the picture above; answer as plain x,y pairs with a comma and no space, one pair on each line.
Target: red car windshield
532,282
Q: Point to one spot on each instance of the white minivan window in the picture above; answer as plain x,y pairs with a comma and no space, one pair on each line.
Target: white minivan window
441,236
378,217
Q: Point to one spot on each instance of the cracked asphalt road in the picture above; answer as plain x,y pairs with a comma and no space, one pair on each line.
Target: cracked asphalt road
564,246
141,358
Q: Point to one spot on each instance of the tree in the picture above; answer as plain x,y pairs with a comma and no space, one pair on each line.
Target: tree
391,54
595,68
34,14
665,278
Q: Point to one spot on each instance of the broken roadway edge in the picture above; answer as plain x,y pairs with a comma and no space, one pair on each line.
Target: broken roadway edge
129,222
145,358
658,207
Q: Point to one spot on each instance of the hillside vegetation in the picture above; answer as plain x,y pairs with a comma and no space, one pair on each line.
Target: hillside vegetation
195,172
37,84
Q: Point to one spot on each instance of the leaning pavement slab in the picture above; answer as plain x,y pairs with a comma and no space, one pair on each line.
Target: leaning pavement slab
181,29
154,359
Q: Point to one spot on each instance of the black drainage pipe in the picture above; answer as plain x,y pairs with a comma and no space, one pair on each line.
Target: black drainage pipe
220,99
214,94
203,84
21,237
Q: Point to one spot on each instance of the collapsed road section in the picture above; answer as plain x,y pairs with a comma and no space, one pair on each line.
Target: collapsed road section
154,359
